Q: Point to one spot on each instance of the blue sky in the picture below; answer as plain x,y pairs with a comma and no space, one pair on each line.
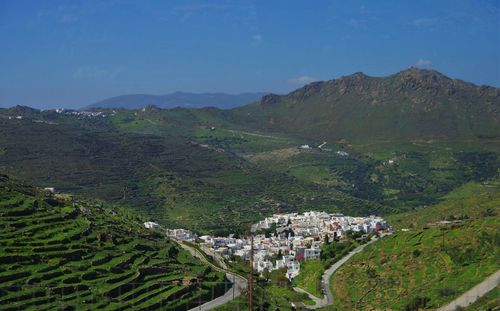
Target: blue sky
74,53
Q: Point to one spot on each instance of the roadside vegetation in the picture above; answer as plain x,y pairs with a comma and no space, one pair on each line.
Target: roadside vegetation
311,271
488,302
273,292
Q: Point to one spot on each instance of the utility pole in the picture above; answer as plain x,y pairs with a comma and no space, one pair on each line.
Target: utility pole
442,243
250,278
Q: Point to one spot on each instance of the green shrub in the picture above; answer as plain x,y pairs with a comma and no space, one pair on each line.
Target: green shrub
417,303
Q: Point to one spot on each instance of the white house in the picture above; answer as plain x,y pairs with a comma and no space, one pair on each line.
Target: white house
284,261
311,253
243,253
151,225
262,265
181,234
293,269
206,239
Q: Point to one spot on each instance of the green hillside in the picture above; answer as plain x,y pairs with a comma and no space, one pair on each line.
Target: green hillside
431,262
60,253
178,173
410,105
169,165
393,144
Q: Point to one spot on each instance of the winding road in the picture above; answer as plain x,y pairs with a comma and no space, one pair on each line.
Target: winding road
327,275
238,283
470,296
462,301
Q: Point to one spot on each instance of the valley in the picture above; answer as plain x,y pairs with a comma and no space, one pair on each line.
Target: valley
180,163
196,155
216,172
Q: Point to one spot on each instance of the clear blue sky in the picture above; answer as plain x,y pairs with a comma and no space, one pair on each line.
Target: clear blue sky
73,53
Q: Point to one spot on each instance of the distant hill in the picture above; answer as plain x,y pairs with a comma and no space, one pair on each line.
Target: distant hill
178,99
413,137
144,160
410,105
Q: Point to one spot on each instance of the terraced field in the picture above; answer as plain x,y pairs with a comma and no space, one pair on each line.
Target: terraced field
57,253
433,266
444,251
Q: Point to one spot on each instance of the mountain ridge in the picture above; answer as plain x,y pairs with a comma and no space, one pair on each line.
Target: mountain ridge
178,99
408,105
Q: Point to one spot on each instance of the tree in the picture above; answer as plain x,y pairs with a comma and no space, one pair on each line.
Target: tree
280,255
278,277
266,274
417,303
327,241
489,212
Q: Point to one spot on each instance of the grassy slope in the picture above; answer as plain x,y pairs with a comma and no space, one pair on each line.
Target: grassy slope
437,262
169,165
311,271
488,302
59,253
309,278
269,296
195,180
472,200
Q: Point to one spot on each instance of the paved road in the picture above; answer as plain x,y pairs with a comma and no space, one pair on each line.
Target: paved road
327,275
474,293
319,303
463,301
325,281
239,284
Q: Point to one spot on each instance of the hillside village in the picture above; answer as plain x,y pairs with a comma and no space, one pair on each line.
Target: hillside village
86,114
283,240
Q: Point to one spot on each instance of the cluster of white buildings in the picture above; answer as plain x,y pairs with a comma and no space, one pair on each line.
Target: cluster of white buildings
283,240
87,114
321,224
181,234
177,234
306,146
291,238
322,148
16,117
